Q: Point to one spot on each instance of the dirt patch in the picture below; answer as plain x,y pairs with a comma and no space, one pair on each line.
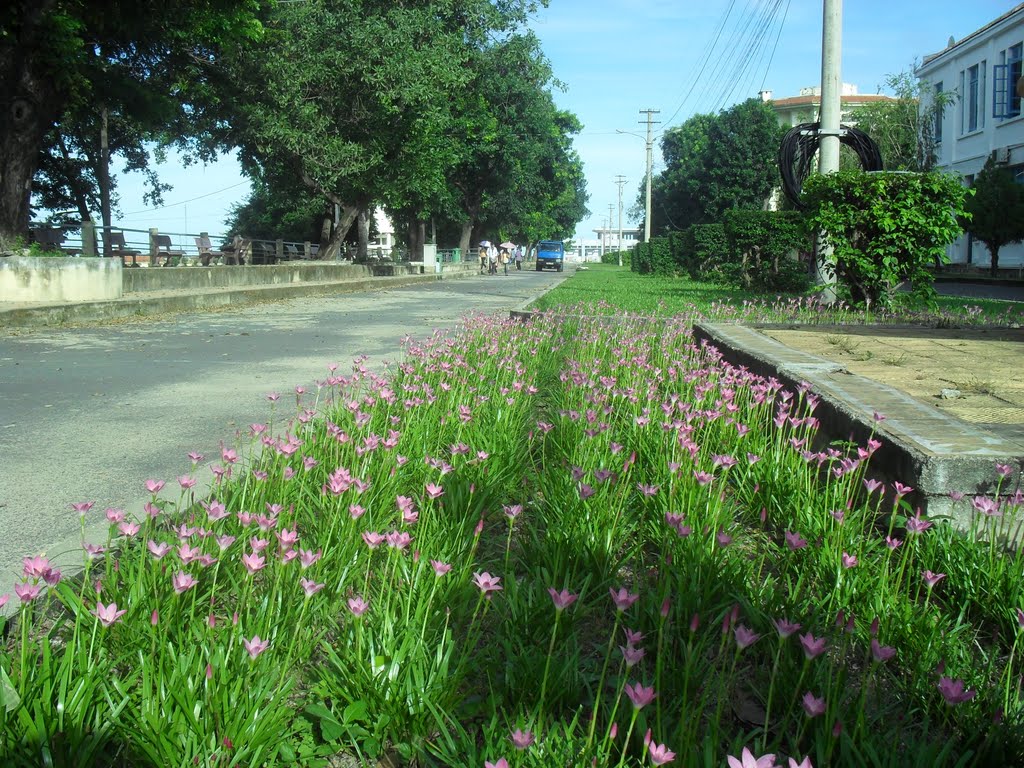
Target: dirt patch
974,374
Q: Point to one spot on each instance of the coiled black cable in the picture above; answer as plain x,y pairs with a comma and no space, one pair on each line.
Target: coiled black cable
801,142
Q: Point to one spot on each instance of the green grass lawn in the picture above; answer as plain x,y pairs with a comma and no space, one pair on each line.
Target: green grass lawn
606,289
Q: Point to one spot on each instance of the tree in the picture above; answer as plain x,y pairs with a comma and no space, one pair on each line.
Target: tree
885,228
715,163
996,209
56,55
354,98
516,171
904,129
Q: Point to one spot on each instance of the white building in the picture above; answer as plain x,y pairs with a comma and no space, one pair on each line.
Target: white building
806,107
984,71
607,241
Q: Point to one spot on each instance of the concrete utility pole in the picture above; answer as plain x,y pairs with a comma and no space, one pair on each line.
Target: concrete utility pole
650,161
829,117
620,180
610,207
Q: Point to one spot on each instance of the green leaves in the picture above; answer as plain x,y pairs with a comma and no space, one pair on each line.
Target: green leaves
885,228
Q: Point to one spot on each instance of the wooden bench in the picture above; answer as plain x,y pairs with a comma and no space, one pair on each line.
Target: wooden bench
165,248
52,239
118,247
206,251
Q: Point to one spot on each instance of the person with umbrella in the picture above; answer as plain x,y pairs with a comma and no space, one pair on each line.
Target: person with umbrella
506,255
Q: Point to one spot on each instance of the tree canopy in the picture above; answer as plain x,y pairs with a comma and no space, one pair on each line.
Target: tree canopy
714,163
996,209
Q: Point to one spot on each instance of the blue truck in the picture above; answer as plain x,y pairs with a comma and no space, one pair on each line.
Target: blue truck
551,253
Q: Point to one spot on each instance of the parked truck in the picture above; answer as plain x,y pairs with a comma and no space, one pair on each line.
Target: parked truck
550,253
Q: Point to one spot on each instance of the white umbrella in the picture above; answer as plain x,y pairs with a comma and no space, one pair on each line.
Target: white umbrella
508,245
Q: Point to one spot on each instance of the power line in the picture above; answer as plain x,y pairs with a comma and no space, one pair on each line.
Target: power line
185,202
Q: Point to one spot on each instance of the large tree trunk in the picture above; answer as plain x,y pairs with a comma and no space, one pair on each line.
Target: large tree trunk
993,269
330,249
465,240
32,105
363,250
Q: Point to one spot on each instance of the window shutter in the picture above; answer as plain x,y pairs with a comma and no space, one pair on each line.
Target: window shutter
1000,100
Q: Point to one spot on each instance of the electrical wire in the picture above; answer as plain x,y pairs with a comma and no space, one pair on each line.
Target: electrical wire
184,202
799,145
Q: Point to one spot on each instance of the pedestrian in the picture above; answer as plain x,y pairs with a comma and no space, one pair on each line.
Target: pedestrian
505,259
483,258
519,258
492,259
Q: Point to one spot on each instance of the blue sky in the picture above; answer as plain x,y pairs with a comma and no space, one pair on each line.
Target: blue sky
617,57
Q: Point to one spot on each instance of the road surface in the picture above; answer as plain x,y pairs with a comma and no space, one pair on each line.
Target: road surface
89,414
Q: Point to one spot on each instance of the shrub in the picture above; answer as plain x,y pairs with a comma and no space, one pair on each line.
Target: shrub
763,248
702,247
885,228
612,257
654,258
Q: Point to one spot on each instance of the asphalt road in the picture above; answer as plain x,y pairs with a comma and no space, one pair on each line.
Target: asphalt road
89,414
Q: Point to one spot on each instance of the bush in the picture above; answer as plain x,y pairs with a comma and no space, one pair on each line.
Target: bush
612,257
654,258
885,228
763,250
702,249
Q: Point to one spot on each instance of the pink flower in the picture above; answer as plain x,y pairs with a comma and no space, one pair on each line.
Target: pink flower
849,561
639,695
501,762
1004,470
931,579
747,760
953,691
874,485
512,511
398,539
434,491
563,599
724,539
186,482
660,754
154,486
310,587
901,489
522,739
158,550
622,599
114,515
745,637
307,558
440,568
373,539
357,605
631,655
223,542
81,507
786,627
633,638
37,567
4,598
805,763
985,505
881,653
794,541
253,562
487,583
813,646
128,529
27,592
255,646
813,706
183,582
916,524
108,614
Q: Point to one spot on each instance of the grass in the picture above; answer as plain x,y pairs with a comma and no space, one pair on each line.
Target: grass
606,289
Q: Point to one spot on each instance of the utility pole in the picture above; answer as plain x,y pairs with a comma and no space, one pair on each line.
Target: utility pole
650,160
829,117
620,180
610,206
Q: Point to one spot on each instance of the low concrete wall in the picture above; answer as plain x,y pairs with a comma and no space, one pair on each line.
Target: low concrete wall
53,278
289,273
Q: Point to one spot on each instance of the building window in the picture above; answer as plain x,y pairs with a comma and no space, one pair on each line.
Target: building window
1005,101
937,130
973,98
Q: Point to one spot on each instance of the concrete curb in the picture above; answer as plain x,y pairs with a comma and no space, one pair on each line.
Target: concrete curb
146,304
922,447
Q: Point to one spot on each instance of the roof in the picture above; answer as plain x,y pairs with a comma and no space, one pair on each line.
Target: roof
949,48
812,100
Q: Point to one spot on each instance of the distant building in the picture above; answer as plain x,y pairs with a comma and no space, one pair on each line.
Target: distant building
607,241
984,71
384,240
806,107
